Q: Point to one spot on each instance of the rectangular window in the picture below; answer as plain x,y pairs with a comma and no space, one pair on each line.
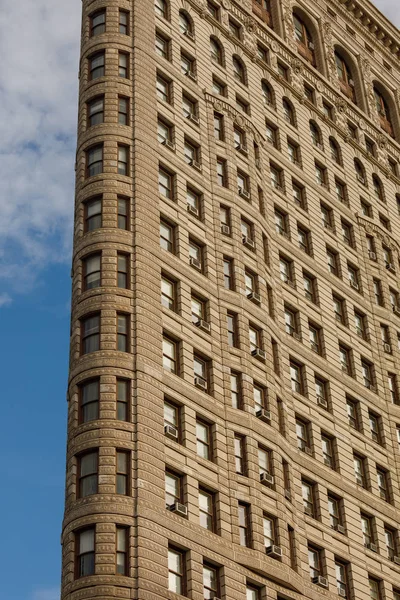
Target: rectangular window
206,509
123,397
122,472
235,390
96,65
203,439
269,531
367,370
359,470
334,510
165,184
307,490
328,453
167,237
123,64
341,579
314,562
367,530
85,552
221,172
244,528
122,270
90,334
122,333
303,436
231,320
89,398
97,22
240,463
218,127
122,550
374,588
170,355
94,160
95,111
123,213
173,488
123,110
91,271
168,293
163,89
92,214
228,274
382,477
88,465
352,413
171,414
210,582
123,160
189,108
296,377
124,22
176,571
162,46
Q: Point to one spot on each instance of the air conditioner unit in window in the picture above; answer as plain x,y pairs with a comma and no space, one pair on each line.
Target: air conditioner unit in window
243,193
288,495
266,479
200,383
372,547
248,242
354,285
191,75
171,432
396,310
307,450
321,581
254,297
264,415
390,267
314,347
201,324
195,164
188,34
225,229
308,511
342,592
241,148
322,402
274,551
194,118
383,495
258,353
328,461
387,348
396,560
340,529
168,143
372,255
359,480
179,509
193,210
194,262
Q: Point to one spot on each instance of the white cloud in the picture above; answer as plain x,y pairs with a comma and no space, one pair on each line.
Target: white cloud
38,96
5,299
52,593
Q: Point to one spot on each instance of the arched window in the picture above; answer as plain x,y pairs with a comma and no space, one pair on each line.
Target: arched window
217,54
335,151
384,112
346,80
262,8
360,171
304,40
316,136
268,93
161,8
378,188
239,70
186,24
288,112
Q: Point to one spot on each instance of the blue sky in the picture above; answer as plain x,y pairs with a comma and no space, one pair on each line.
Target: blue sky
38,99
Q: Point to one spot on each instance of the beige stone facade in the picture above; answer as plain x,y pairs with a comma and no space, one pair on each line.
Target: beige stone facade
262,385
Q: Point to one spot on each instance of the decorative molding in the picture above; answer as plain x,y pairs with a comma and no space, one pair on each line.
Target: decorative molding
380,232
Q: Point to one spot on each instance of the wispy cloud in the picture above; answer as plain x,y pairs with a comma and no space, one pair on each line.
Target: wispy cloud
5,300
46,593
38,96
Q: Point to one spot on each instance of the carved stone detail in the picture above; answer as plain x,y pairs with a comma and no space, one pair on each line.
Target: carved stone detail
238,118
287,11
381,234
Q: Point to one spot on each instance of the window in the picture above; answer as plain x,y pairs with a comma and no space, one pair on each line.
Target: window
95,111
309,94
94,160
367,530
122,550
228,274
283,71
339,309
269,531
334,511
124,22
92,214
122,333
341,191
293,152
352,413
267,93
161,8
91,271
326,217
191,154
163,89
252,593
354,276
314,562
89,397
307,490
122,473
240,463
328,453
234,29
393,388
345,360
347,233
221,172
360,321
335,151
97,65
359,470
216,51
315,336
218,127
382,477
97,23
264,460
88,474
288,112
391,540
303,437
374,588
260,398
388,258
276,175
196,255
360,171
206,509
239,138
90,334
333,265
239,71
255,339
189,108
185,25
378,292
165,183
171,415
232,329
188,66
303,237
374,425
296,377
298,195
85,552
316,137
243,185
341,578
281,223
378,188
218,87
321,175
210,582
309,287
162,46
168,293
328,110
203,439
367,374
173,488
291,320
199,309
164,132
321,391
244,529
170,359
123,110
225,219
262,54
123,399
235,390
123,64
167,236
176,570
304,40
122,270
